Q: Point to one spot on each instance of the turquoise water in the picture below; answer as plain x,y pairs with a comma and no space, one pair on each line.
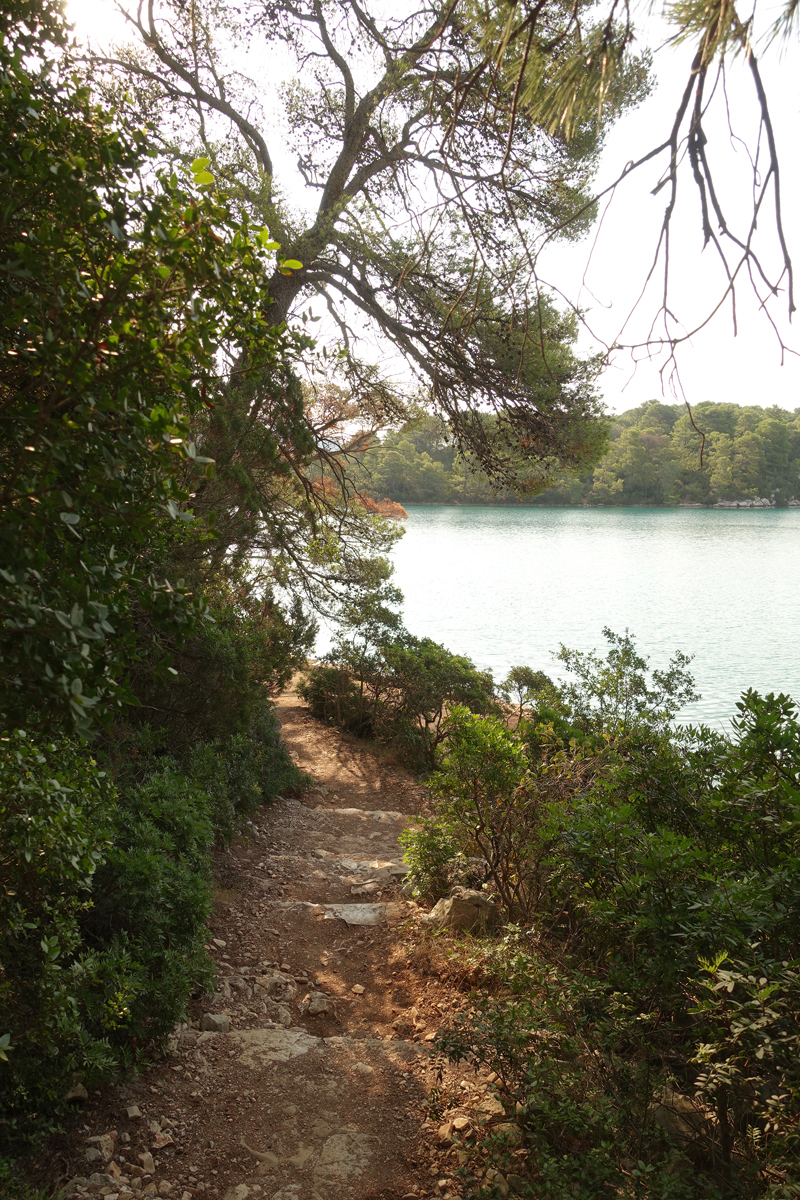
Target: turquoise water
506,586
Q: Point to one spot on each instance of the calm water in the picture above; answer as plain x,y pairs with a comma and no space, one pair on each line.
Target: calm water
506,586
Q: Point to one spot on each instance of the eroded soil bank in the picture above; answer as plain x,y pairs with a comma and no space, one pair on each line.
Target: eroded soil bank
308,1075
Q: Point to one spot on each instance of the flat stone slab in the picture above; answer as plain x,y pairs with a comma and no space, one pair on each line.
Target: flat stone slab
361,914
344,1156
259,1046
376,868
370,814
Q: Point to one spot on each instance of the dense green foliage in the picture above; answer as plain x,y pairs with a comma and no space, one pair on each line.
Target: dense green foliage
647,1022
116,298
104,897
381,682
653,457
121,291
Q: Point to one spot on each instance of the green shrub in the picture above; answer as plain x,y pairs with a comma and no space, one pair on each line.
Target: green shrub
618,694
398,693
245,771
104,900
573,1073
237,773
501,807
436,859
749,1066
334,697
14,1187
56,814
667,863
246,650
152,899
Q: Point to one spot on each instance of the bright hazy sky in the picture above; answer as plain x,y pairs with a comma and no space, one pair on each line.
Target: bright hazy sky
717,366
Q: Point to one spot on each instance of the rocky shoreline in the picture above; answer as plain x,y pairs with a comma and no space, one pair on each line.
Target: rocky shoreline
755,502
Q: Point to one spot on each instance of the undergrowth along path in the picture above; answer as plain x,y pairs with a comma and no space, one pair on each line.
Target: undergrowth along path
307,1075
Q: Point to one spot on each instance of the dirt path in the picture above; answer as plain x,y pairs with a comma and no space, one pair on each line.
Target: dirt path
307,1076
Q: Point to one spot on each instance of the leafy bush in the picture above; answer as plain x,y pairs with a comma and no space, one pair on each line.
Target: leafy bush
245,648
661,868
103,908
437,860
151,901
104,898
14,1187
501,808
613,695
749,1068
244,771
379,681
334,697
56,811
573,1068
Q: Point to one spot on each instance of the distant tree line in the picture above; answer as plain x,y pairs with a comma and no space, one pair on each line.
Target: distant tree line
653,457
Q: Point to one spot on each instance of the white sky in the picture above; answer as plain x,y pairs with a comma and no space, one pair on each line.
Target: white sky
717,366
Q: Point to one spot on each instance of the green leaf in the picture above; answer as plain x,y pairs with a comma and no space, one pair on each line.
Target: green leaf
291,264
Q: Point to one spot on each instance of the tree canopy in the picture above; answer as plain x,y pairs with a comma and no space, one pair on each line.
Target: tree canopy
116,299
584,55
135,352
416,212
656,454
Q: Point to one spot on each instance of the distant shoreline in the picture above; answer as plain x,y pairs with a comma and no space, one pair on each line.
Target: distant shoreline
727,506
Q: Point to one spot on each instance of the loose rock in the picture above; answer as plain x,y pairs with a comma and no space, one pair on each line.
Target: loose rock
215,1023
315,1004
104,1144
275,986
466,911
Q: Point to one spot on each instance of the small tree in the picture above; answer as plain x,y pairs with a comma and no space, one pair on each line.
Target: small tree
524,684
491,804
612,695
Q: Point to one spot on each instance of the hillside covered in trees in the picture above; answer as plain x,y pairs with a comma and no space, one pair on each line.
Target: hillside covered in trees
653,457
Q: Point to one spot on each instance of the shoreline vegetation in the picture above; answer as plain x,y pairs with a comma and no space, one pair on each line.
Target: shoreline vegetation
639,1009
742,457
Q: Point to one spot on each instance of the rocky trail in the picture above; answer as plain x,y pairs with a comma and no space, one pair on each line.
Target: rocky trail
307,1075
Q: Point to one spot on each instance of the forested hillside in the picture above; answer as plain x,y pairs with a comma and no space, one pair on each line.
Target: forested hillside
653,457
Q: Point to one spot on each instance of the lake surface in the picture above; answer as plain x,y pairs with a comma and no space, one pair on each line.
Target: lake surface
506,586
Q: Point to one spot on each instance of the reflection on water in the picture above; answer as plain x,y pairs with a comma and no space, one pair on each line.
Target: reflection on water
506,586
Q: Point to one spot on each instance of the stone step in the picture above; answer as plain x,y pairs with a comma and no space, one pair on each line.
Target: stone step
351,914
366,814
